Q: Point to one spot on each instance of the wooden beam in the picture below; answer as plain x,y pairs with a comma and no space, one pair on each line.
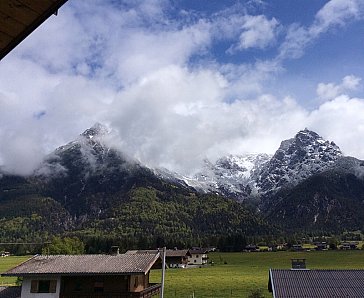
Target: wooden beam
22,13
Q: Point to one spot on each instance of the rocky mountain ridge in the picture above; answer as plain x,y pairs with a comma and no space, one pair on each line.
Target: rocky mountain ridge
90,190
261,175
93,189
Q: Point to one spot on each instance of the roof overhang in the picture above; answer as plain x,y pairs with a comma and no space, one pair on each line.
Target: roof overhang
19,18
82,265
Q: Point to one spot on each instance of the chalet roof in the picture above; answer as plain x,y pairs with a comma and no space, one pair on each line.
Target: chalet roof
121,264
316,283
10,292
198,250
177,252
19,18
169,252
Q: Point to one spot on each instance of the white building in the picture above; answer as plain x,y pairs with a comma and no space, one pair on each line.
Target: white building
198,256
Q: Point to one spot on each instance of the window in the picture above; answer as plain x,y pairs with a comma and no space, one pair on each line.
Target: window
43,286
98,287
78,286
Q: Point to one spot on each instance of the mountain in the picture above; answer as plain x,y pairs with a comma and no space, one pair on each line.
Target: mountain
330,201
297,159
233,175
87,167
255,175
308,184
90,190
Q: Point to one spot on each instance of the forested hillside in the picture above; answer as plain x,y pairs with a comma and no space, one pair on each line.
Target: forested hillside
142,217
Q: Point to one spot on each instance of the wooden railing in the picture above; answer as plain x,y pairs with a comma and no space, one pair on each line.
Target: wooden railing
152,290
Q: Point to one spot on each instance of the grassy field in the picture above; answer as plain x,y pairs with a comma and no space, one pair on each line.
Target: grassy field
7,263
237,274
233,274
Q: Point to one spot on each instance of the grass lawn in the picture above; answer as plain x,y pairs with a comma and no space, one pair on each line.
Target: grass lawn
7,263
244,272
233,274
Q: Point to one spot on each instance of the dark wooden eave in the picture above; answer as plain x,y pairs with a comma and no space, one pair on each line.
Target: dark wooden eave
19,18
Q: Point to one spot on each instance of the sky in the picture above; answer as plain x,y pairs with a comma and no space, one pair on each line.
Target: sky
183,80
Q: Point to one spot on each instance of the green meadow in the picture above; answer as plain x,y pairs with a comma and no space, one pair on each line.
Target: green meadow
238,274
232,274
7,263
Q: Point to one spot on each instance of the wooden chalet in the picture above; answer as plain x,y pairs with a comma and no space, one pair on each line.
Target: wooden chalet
300,283
91,276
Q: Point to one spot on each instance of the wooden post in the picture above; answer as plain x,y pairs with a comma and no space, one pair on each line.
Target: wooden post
163,271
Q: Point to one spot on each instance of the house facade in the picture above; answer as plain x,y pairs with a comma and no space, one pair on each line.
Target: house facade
117,276
198,256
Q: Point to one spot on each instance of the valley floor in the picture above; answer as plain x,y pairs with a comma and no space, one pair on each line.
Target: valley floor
232,274
238,274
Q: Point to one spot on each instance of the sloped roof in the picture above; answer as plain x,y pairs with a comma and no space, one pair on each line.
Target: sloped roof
177,252
19,18
122,264
198,250
169,252
316,283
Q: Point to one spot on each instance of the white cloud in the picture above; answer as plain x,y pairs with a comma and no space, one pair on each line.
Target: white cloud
330,91
176,117
130,67
351,82
332,14
342,121
337,12
257,32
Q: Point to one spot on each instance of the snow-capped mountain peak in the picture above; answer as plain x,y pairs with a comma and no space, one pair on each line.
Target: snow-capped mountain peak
96,130
298,158
248,175
232,175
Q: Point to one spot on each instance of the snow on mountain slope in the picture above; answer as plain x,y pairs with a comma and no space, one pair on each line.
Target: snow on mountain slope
297,159
87,154
232,175
238,176
251,175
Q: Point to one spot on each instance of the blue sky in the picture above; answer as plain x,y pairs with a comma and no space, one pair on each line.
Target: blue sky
179,81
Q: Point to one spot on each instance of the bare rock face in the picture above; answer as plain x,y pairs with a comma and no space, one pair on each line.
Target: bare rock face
297,159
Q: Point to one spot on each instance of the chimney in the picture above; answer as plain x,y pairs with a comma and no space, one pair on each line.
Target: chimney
114,250
298,264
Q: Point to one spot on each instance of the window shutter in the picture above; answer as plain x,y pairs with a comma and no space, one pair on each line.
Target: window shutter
52,286
34,286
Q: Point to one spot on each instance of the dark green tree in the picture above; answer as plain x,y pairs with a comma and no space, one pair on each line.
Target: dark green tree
64,246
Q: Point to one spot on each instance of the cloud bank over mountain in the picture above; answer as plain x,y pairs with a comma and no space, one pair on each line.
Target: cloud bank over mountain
177,84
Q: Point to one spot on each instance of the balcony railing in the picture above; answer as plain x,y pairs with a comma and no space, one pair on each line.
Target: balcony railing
152,290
